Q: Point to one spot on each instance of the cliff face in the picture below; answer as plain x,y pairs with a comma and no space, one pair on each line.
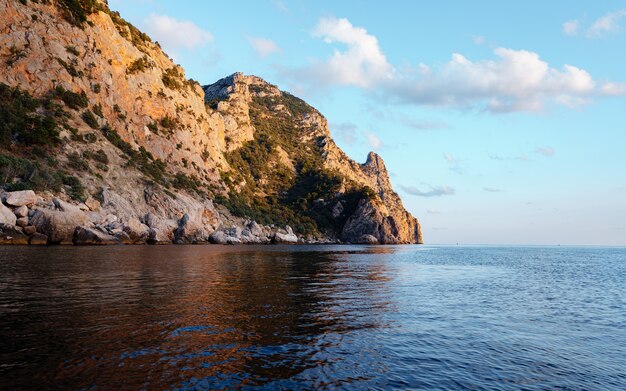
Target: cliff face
136,140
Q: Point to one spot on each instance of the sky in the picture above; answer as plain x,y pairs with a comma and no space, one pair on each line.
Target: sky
499,122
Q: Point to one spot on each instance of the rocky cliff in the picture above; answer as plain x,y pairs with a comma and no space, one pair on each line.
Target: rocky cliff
120,147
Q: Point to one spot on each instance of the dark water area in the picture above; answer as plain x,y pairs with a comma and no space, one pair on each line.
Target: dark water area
313,317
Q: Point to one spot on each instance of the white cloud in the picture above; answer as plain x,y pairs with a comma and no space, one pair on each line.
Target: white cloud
478,39
433,211
517,80
511,81
373,141
346,131
545,151
614,89
436,191
174,34
492,189
607,24
424,124
521,158
263,46
361,63
571,27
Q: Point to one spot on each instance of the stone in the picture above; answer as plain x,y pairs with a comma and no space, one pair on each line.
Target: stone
234,232
123,238
22,211
30,229
161,230
254,228
366,239
92,204
6,215
90,236
22,222
284,238
337,210
136,230
38,239
21,198
59,226
10,234
218,237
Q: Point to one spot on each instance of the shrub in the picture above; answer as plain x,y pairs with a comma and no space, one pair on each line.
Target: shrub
25,120
139,65
14,55
90,119
96,88
71,99
76,161
97,109
72,50
170,77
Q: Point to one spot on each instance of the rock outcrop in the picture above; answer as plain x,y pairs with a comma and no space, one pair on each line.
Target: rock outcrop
143,155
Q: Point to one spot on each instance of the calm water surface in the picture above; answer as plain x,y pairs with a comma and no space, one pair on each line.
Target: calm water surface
325,317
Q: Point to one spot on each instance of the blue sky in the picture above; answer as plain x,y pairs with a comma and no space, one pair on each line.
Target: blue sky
500,122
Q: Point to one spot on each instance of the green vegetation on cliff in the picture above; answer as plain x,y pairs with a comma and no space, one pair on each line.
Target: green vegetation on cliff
263,188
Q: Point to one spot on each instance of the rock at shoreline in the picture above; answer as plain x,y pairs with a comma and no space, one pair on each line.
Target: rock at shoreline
38,239
6,215
12,235
137,231
367,239
21,198
59,225
89,236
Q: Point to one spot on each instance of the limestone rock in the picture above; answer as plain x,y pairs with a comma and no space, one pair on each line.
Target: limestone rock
6,216
22,222
59,225
38,239
92,204
136,230
22,211
367,239
30,229
287,237
12,235
90,236
21,198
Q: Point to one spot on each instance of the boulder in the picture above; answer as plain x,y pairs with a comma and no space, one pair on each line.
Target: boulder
92,204
59,225
10,234
286,238
218,237
366,239
234,232
22,211
22,222
90,236
29,230
21,198
38,239
124,238
161,230
254,228
136,230
6,215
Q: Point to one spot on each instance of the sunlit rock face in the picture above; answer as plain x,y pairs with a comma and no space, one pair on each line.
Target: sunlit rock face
158,148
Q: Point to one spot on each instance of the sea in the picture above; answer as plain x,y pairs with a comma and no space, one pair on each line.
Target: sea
313,318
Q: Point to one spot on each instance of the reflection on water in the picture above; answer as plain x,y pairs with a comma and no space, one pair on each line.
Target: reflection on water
213,317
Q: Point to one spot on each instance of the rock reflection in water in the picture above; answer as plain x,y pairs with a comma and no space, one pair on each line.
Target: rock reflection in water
185,316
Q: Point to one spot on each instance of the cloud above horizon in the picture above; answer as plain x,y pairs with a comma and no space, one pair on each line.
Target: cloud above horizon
545,151
263,47
511,81
173,34
436,191
609,23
